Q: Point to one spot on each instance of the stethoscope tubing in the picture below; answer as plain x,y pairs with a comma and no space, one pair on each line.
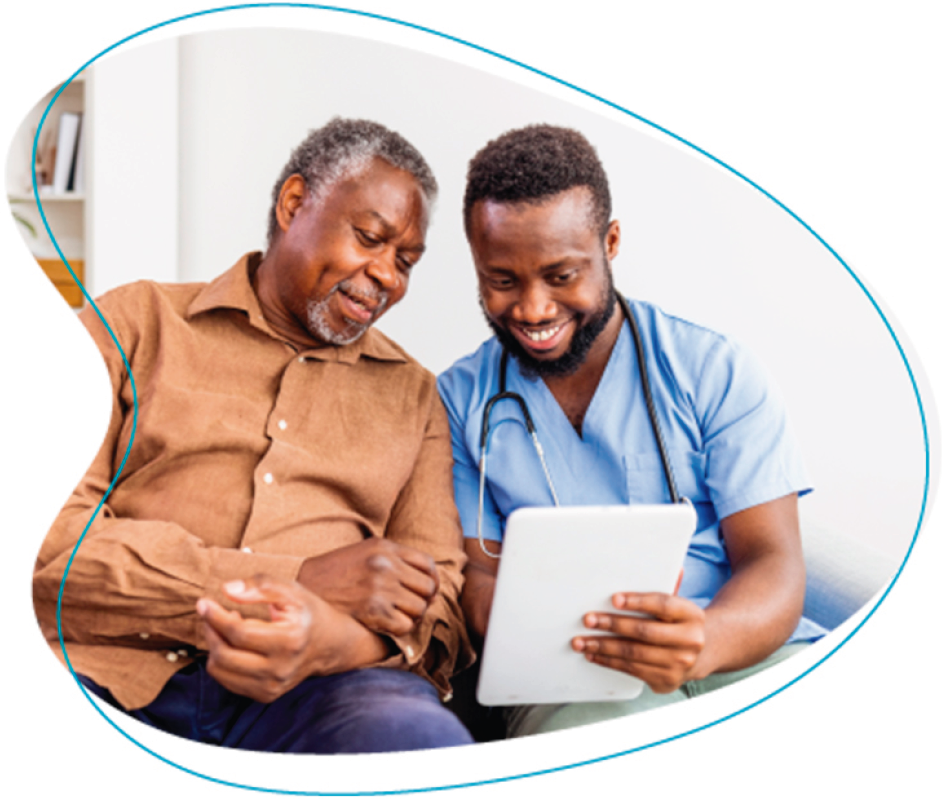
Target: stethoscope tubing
503,394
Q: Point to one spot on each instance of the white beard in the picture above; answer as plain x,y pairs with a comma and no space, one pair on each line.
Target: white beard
317,315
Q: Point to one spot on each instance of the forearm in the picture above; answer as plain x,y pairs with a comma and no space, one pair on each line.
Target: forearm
753,614
757,609
136,580
438,645
425,518
476,601
356,647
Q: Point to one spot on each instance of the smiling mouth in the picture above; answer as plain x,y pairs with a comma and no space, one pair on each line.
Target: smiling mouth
363,307
542,339
542,335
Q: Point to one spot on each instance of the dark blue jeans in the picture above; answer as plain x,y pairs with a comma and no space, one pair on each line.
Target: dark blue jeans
372,710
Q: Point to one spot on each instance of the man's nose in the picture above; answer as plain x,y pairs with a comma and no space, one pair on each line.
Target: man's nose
383,269
534,305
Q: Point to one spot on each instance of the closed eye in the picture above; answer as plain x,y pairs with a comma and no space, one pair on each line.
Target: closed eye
405,263
561,278
500,282
367,238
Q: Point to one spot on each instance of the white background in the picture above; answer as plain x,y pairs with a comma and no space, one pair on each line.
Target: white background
835,108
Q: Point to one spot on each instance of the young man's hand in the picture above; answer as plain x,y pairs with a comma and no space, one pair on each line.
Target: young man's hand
663,650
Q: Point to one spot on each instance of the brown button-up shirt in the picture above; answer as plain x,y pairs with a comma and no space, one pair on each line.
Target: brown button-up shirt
248,457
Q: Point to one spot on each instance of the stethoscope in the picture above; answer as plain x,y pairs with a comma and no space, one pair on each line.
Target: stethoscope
503,394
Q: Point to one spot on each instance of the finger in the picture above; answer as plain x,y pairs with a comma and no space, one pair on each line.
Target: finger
625,650
410,605
666,607
286,636
389,563
232,660
651,631
284,599
419,560
215,617
419,582
658,680
243,674
381,616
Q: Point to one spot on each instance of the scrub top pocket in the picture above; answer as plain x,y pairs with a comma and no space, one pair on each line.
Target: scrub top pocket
645,483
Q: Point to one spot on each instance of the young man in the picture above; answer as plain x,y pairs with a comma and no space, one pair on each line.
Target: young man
278,564
537,213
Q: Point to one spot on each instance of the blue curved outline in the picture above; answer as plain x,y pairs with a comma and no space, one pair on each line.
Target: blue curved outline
917,395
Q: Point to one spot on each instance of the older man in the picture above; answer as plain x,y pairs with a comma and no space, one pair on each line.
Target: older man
538,218
277,565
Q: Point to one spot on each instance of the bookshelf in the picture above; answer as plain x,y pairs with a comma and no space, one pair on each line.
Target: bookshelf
65,210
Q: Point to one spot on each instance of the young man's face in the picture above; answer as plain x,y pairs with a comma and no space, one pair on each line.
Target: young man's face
545,277
346,254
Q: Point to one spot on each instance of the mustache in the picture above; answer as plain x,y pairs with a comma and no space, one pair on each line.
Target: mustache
372,294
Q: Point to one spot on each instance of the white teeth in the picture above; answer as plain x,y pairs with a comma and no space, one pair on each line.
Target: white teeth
542,335
357,302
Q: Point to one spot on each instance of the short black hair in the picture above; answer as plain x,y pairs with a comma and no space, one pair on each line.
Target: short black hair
341,147
534,163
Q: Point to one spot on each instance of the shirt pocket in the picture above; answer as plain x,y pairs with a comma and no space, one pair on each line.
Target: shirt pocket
646,484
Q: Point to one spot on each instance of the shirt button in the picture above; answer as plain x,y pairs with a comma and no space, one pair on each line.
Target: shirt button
267,478
246,549
143,636
172,657
281,424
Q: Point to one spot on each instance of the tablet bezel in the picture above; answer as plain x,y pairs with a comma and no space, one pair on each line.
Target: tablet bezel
599,550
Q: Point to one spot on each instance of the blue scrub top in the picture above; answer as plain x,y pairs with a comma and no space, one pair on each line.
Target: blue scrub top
724,425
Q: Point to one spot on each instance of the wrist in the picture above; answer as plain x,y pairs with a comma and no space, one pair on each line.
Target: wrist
350,646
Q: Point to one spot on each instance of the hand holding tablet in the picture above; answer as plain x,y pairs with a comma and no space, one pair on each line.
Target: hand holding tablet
563,566
661,647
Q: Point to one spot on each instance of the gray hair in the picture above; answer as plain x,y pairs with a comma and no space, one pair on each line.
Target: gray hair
343,147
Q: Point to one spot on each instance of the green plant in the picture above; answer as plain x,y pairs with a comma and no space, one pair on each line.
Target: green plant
22,220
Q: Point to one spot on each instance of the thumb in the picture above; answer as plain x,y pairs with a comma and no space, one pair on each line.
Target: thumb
282,597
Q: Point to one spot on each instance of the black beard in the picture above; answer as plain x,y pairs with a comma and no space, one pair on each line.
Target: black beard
582,341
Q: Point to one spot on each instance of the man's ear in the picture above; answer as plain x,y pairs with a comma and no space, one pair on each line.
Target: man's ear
612,239
291,196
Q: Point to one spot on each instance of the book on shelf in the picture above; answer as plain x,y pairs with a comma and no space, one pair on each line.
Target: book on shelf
78,168
67,142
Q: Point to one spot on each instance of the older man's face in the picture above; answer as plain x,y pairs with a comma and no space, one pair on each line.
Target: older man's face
347,254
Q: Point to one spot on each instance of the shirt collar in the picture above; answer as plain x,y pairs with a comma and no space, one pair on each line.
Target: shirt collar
234,290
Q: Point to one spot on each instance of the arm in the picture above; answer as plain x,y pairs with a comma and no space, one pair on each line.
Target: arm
749,618
304,636
388,587
424,520
480,577
131,582
481,569
391,602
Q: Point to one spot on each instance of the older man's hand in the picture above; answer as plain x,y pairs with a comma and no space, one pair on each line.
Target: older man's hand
304,637
385,586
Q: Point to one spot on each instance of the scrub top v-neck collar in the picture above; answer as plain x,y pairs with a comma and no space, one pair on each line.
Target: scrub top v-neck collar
573,457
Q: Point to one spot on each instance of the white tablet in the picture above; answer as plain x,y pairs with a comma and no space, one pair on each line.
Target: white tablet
557,565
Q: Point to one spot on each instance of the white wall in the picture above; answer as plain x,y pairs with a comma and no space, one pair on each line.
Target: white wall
133,167
697,240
